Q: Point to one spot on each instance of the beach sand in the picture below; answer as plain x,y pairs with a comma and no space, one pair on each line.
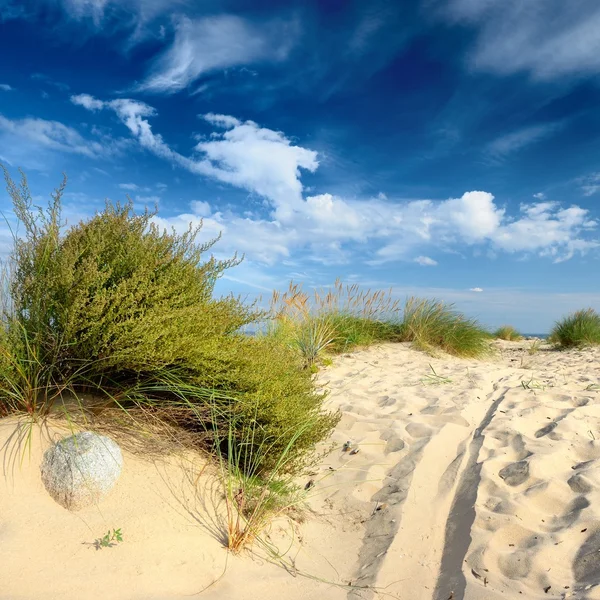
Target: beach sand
473,479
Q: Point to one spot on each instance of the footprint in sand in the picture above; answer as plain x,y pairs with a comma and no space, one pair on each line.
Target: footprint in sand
515,473
579,484
418,430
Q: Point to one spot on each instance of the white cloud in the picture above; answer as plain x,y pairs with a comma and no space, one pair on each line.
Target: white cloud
425,261
5,87
266,163
221,120
548,39
517,140
215,43
200,208
476,289
53,135
130,187
540,196
87,101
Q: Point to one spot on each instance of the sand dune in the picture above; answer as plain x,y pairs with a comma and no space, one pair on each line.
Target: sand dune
473,479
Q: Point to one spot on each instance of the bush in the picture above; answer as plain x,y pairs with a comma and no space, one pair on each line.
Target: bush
118,308
508,333
431,324
582,328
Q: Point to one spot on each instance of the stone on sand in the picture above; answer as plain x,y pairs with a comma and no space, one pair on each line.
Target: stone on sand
78,471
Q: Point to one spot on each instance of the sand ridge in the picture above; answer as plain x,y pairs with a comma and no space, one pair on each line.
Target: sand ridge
473,479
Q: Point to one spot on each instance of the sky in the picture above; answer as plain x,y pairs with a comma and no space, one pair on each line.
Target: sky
447,149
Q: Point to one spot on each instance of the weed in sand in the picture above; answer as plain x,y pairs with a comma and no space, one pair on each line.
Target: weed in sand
110,539
434,379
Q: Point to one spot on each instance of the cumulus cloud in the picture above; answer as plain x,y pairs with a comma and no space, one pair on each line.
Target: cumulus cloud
548,39
266,163
476,289
425,261
215,43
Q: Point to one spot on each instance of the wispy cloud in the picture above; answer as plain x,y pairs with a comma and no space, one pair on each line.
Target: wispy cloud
548,39
207,44
130,187
477,290
511,142
589,184
53,135
333,228
5,87
46,79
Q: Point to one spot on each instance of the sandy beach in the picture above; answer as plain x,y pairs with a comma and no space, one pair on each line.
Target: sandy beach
473,479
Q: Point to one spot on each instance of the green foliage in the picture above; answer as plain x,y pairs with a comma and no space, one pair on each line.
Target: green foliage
110,539
582,328
118,308
252,497
431,325
508,333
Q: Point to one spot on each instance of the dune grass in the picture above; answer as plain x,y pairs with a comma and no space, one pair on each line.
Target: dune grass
581,328
507,333
332,320
433,325
346,317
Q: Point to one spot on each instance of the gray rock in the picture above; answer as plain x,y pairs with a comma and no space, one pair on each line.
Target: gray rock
78,471
515,473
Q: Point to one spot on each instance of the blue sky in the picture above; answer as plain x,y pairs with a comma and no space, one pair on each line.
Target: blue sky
445,148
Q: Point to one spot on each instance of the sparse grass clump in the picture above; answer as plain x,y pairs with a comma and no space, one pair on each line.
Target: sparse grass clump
582,328
334,320
431,325
508,333
116,308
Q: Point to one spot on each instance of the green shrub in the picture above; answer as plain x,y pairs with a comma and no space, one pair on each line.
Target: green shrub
508,333
118,308
431,325
582,328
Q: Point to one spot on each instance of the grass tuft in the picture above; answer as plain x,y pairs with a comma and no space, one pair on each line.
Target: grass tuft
582,328
508,333
431,325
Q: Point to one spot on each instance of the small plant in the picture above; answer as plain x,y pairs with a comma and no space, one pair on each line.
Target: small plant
535,347
582,328
508,333
434,379
532,384
593,387
110,539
